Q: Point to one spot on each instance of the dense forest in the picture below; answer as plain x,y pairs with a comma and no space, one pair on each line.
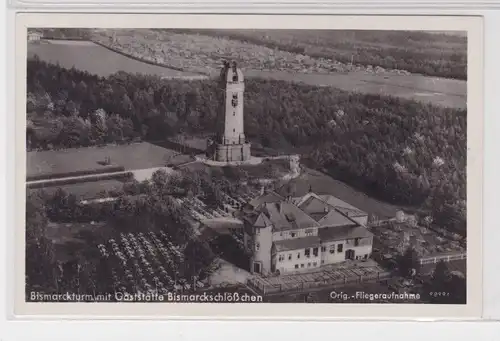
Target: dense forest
398,150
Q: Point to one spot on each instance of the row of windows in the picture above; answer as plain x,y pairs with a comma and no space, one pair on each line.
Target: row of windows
307,233
308,265
340,248
315,252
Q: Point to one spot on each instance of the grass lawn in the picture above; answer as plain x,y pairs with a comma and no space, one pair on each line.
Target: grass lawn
131,156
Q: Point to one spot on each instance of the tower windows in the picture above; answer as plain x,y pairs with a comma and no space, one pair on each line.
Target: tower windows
234,101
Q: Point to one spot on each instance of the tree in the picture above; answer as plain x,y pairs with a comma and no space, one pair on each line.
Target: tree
409,263
40,272
446,287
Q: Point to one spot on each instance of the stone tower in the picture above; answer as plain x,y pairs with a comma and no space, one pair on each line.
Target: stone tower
231,143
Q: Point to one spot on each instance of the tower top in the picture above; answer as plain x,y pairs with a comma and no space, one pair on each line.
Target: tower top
230,73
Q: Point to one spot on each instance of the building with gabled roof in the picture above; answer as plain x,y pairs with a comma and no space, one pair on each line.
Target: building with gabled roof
286,235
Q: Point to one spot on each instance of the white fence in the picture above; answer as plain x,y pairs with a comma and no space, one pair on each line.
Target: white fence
444,258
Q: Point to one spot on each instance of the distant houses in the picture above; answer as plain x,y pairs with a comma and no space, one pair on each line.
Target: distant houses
34,36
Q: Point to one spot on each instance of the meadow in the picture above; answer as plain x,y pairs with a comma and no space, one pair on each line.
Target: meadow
95,59
130,156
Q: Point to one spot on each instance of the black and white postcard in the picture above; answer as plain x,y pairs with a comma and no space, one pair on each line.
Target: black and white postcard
269,167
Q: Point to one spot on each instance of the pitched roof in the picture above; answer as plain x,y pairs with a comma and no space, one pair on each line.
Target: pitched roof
335,218
266,198
286,216
343,233
342,206
296,244
322,212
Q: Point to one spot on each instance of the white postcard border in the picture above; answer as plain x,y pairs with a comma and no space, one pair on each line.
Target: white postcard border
474,27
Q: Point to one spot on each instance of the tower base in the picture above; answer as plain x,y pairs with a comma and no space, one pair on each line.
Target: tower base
232,152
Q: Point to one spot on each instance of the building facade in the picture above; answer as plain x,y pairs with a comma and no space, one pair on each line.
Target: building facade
34,36
288,235
231,144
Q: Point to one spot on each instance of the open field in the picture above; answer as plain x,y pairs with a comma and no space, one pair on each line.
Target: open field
95,59
439,91
131,156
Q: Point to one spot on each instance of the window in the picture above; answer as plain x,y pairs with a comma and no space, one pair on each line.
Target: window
365,256
298,255
308,265
281,234
301,265
257,246
234,130
314,264
234,101
296,266
281,258
340,247
322,262
315,252
289,256
356,242
292,234
307,252
323,249
332,248
309,232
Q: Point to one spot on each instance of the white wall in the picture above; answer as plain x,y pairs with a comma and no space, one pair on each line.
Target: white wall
262,248
233,127
364,248
298,258
284,235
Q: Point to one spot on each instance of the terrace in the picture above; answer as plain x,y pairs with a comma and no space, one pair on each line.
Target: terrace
333,276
